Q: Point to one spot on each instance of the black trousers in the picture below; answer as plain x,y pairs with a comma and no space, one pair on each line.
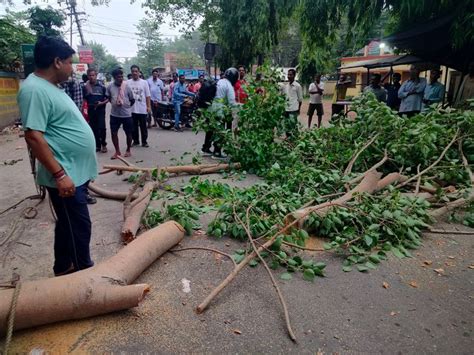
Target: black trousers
72,234
337,109
97,123
139,123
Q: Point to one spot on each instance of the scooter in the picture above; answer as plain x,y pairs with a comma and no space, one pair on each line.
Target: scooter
166,114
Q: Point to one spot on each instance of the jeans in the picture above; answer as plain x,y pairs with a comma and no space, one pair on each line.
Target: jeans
97,123
72,234
177,113
139,121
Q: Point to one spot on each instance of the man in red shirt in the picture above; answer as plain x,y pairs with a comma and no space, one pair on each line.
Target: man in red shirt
239,87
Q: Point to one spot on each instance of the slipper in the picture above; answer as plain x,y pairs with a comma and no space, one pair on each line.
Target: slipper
127,154
113,157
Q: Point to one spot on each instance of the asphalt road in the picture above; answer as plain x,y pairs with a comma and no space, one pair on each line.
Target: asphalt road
420,311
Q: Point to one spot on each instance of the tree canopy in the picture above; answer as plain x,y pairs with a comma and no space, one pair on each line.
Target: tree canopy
104,62
247,28
47,21
12,36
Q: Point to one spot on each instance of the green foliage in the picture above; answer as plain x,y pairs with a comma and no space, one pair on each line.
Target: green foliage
46,21
12,36
104,62
183,212
150,46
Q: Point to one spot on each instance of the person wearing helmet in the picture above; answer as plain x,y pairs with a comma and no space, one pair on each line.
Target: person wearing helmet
225,96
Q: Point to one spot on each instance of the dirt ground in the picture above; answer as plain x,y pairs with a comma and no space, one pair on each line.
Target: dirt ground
421,311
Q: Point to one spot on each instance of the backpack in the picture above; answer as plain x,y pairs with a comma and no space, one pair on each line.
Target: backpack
206,93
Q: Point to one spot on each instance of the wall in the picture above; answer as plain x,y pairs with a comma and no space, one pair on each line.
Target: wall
9,111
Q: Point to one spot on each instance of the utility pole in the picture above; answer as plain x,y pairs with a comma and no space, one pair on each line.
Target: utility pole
72,12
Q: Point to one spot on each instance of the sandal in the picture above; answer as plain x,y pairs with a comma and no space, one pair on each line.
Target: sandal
113,157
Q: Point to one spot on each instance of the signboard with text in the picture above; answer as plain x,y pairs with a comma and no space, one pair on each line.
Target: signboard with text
85,54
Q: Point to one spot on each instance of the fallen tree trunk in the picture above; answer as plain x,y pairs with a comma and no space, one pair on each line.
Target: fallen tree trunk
179,169
133,213
98,290
114,195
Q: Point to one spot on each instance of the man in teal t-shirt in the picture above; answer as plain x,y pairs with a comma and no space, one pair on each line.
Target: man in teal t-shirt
64,144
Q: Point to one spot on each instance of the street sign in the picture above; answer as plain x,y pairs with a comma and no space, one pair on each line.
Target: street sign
85,54
27,52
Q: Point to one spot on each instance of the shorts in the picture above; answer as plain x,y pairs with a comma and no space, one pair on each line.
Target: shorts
315,107
116,122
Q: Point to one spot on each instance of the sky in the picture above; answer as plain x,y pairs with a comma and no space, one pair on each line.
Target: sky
112,25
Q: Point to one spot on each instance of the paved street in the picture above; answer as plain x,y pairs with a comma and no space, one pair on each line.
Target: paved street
421,311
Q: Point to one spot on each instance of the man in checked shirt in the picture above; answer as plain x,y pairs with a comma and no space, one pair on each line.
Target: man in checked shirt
74,90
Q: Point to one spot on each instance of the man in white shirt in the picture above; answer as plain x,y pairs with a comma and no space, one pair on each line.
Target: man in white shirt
142,106
316,90
294,98
156,93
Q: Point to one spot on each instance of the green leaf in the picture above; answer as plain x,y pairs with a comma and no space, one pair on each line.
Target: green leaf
253,263
374,258
320,265
309,275
397,253
347,268
370,265
327,246
286,276
238,258
368,240
298,260
362,268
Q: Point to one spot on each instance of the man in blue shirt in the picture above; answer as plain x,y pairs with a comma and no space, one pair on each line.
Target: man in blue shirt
434,91
156,93
179,93
63,143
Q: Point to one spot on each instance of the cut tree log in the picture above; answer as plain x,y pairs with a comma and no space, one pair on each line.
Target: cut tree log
179,169
99,290
133,213
114,195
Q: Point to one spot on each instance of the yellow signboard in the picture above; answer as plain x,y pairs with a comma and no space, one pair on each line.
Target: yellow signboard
9,111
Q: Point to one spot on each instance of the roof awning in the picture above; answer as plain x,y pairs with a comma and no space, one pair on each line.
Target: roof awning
432,41
389,61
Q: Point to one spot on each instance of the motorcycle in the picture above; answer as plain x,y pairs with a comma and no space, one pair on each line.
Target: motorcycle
166,114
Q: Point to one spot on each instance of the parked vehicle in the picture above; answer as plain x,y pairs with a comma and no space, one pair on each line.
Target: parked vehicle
166,114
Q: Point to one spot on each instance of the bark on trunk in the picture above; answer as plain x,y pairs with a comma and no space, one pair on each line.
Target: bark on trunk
133,213
180,169
114,195
98,290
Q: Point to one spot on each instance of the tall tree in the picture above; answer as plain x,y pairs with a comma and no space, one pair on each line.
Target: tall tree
245,28
104,62
47,21
150,46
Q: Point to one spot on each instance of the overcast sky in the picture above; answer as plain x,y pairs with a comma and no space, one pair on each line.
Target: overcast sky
113,25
